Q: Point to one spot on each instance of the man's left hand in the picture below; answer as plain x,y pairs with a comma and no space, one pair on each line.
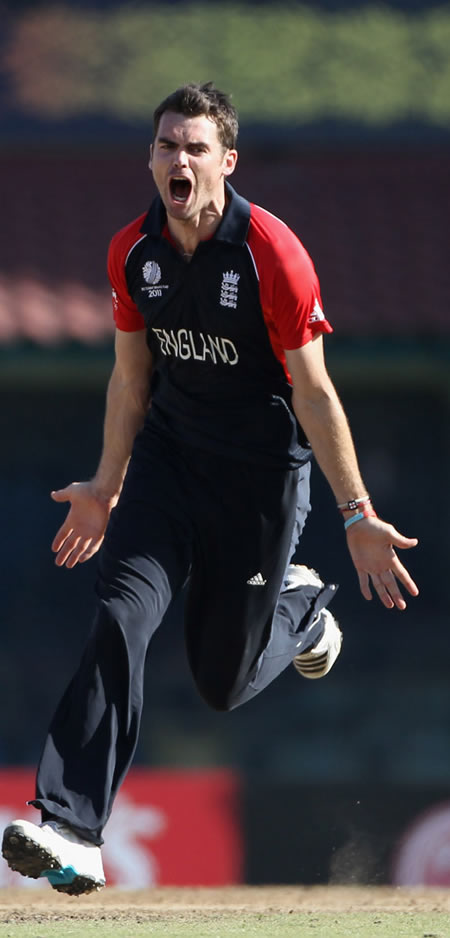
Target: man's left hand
371,543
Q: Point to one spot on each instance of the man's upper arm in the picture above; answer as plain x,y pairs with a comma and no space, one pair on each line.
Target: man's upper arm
288,284
307,368
133,356
126,314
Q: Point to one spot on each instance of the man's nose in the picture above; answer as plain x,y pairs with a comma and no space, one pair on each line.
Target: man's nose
181,159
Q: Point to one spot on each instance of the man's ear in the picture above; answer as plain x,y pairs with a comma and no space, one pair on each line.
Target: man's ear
150,156
229,163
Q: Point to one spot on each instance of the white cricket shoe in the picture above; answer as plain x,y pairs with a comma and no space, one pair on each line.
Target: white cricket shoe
53,850
320,656
299,575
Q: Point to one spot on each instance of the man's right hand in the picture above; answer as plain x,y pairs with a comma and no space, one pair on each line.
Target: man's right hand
82,533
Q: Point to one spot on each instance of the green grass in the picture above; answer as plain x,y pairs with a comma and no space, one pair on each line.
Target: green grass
286,63
229,924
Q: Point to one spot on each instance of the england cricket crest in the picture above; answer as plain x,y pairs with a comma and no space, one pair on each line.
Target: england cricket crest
229,289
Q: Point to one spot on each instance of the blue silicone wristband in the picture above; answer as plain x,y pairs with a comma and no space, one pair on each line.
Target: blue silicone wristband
359,517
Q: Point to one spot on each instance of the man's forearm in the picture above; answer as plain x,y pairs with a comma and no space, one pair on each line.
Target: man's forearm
126,407
327,430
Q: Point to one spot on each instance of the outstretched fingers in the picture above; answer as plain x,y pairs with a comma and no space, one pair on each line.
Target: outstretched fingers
388,590
77,550
82,532
61,536
67,552
371,543
364,584
402,574
386,584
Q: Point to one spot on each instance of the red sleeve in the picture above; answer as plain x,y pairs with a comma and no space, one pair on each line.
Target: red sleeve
288,284
126,314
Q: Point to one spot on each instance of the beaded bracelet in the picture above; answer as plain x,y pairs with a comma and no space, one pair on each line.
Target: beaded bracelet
354,503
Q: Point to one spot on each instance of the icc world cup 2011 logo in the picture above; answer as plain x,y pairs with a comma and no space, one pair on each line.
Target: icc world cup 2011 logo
152,272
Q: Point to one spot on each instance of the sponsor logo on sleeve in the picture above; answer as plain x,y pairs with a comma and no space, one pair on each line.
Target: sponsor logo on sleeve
317,313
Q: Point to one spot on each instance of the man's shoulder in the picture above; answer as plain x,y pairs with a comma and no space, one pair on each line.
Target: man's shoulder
270,228
272,237
125,238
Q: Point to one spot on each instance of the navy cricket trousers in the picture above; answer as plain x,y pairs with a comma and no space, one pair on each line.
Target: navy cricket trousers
224,528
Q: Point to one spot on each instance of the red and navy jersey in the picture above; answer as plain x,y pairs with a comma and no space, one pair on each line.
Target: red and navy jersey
217,328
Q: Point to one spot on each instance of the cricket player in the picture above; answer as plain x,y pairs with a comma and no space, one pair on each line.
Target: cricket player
218,399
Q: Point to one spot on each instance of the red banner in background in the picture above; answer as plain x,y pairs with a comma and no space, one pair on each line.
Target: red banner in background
166,828
422,857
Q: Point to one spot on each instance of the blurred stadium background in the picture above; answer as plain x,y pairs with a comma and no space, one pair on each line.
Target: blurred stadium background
345,114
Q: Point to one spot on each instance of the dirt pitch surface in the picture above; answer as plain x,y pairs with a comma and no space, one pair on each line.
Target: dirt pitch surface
185,904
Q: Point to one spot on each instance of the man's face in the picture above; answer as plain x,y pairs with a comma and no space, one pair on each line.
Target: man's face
189,164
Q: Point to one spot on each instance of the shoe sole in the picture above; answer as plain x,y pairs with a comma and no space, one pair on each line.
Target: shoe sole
315,667
25,856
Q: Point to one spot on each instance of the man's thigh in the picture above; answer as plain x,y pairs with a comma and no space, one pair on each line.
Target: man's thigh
146,555
237,574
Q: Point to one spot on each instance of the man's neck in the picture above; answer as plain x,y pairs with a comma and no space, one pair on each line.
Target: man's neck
187,235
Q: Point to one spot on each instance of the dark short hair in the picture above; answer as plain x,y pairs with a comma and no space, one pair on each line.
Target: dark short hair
194,100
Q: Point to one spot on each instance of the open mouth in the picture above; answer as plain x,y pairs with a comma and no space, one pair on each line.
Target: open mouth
180,188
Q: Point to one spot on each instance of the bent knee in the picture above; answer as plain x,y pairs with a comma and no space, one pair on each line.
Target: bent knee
215,700
218,697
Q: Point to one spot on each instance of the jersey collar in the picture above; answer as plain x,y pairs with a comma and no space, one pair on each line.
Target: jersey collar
233,228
